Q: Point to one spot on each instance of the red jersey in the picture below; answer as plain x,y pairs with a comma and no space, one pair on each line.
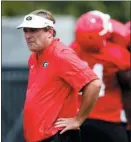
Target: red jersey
55,77
105,64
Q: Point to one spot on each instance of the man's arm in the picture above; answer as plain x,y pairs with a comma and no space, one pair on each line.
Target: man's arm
89,97
79,76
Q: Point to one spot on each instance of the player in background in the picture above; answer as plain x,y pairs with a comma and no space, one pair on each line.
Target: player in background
121,36
125,76
106,59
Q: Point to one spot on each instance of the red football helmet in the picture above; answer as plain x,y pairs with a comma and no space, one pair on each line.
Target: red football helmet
92,29
119,33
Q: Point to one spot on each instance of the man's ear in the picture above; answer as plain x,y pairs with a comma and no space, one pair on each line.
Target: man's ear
51,31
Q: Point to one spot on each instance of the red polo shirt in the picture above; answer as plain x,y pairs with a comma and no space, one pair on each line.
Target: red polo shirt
54,81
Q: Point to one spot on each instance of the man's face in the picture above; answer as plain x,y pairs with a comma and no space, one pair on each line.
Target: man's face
36,38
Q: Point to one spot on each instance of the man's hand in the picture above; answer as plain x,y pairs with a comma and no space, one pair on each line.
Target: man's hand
68,124
90,95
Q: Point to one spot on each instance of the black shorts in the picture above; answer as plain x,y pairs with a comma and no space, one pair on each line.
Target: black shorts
97,130
69,136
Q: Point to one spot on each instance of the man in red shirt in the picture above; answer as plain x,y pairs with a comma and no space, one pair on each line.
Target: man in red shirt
106,59
56,76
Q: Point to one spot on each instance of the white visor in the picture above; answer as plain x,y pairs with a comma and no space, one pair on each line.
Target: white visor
34,21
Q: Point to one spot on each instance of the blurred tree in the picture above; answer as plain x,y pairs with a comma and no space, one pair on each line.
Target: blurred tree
117,9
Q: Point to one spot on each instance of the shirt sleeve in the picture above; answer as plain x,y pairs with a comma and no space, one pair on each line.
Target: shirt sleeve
124,61
121,57
73,70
